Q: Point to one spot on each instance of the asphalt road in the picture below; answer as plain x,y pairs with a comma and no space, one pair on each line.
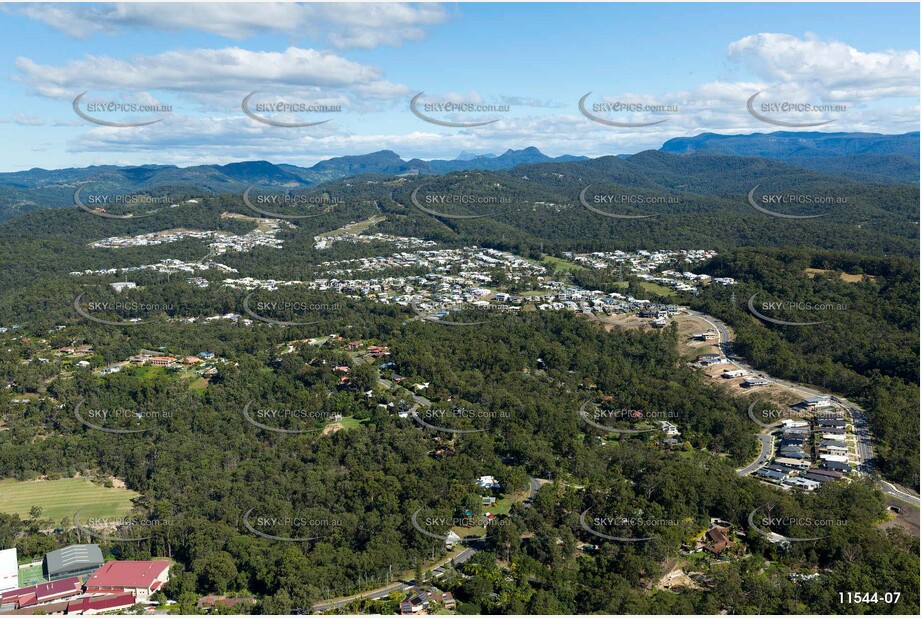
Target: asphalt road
385,591
373,594
767,450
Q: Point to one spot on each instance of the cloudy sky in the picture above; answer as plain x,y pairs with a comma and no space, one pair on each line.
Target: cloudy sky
173,78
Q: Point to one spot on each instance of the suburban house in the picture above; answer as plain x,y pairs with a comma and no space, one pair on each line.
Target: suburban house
836,466
452,539
822,401
488,482
162,361
802,483
834,423
735,373
718,540
669,429
707,336
138,577
799,464
418,601
771,474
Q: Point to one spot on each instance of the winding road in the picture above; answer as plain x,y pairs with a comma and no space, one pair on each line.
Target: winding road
858,416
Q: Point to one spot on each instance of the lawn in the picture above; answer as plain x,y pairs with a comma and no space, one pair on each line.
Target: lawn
350,422
356,228
655,288
199,385
63,497
559,264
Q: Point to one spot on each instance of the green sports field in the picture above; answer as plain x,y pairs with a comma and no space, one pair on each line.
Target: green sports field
63,497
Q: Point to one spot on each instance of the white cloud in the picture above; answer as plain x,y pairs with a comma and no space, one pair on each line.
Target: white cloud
783,67
23,119
215,75
342,25
832,69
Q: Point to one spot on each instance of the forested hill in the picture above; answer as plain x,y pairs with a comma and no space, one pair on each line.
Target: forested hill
852,157
867,157
40,188
689,201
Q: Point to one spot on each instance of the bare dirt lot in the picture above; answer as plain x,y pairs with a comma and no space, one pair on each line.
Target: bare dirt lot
813,272
908,520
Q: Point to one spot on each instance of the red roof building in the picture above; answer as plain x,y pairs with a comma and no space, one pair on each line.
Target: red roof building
138,577
42,593
96,605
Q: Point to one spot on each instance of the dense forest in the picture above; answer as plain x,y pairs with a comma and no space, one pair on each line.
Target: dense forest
201,468
206,471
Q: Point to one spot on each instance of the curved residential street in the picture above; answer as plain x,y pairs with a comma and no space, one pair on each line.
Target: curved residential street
858,416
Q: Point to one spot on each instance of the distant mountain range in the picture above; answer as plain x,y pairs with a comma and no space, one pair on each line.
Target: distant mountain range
867,157
864,157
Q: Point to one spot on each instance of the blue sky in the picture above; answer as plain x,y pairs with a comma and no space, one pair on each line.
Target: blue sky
701,61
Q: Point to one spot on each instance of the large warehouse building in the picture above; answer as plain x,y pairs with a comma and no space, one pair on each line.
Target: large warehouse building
72,561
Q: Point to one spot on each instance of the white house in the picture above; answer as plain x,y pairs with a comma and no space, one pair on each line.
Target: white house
669,429
123,285
488,482
822,401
